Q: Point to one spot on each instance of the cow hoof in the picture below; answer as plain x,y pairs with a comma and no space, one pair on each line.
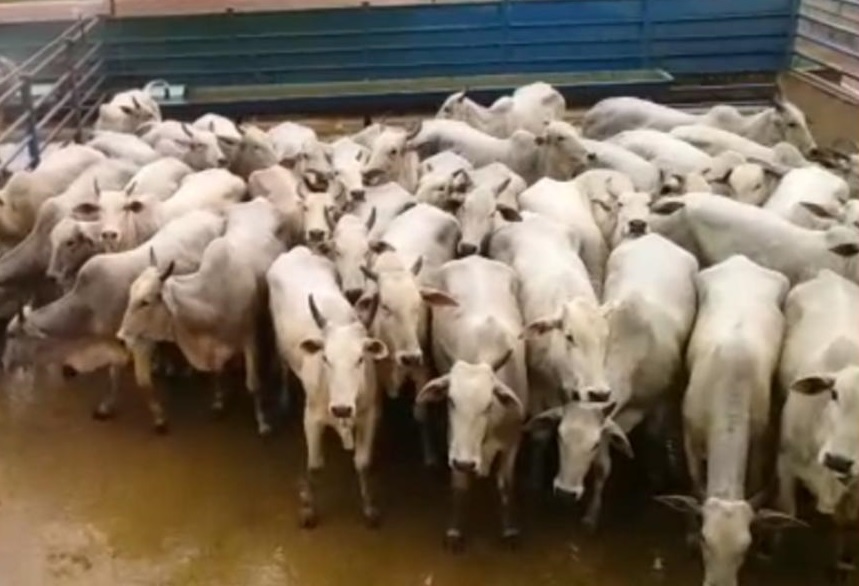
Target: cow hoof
161,428
511,538
454,541
308,519
372,518
103,413
265,430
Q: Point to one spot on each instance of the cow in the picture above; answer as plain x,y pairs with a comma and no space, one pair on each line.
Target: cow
298,148
322,339
25,191
199,149
819,372
715,228
225,130
781,122
563,202
78,330
566,331
210,318
413,247
520,151
669,153
119,145
281,187
715,141
385,202
256,151
529,108
603,188
350,249
732,356
160,179
811,197
485,385
392,159
348,159
27,262
479,212
126,219
650,289
128,111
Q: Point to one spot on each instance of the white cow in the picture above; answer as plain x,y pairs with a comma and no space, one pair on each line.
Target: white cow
529,108
715,141
128,111
811,197
392,159
715,228
650,288
603,187
197,148
385,202
732,357
820,422
667,152
225,130
120,145
323,341
350,251
160,179
485,385
562,202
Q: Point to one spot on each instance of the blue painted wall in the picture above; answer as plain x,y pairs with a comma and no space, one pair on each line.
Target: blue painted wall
507,36
514,36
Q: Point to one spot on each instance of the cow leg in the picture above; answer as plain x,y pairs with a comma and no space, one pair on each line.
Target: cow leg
453,538
143,375
601,471
538,446
219,394
365,440
786,502
428,450
506,477
254,385
285,397
696,475
313,428
106,408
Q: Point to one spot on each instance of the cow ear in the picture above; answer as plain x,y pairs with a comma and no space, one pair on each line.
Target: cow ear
311,345
380,246
667,206
416,268
375,349
813,385
508,399
680,503
617,438
508,213
817,209
845,249
127,110
540,327
776,521
438,298
435,390
546,420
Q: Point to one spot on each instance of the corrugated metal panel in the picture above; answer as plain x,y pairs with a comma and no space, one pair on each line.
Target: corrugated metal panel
828,37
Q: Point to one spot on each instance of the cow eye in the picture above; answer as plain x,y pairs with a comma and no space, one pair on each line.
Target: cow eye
143,303
360,360
569,339
70,243
792,124
392,152
834,395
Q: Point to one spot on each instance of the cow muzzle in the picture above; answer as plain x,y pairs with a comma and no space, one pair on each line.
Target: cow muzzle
571,493
840,465
410,359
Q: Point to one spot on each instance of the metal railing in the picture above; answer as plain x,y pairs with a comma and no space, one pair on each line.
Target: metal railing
827,45
52,95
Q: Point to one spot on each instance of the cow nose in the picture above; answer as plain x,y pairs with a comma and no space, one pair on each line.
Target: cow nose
353,295
315,235
110,235
814,152
637,227
222,162
341,411
371,175
411,359
357,194
598,395
837,463
463,466
466,249
591,157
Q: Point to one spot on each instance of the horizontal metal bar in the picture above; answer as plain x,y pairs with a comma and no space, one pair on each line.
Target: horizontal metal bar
828,24
13,126
810,12
48,116
829,45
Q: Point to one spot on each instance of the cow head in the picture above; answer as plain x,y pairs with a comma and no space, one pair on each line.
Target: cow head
477,402
563,150
72,243
840,450
476,215
444,190
402,302
575,341
199,149
255,152
351,251
320,216
726,532
388,157
585,431
633,211
345,355
147,318
790,125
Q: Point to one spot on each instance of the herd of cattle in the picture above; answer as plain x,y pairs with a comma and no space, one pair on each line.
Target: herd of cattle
530,278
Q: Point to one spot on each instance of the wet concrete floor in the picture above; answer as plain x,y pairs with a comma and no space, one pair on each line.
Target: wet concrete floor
84,503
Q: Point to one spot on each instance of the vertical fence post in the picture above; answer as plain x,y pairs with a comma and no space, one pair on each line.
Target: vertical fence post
74,91
27,101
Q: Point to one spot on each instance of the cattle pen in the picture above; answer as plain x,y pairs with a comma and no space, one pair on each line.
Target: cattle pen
86,503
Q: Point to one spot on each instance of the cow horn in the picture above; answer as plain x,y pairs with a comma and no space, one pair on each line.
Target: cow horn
499,363
187,130
371,221
314,311
96,188
413,130
167,272
153,260
129,189
419,263
136,103
22,316
212,126
329,218
370,274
